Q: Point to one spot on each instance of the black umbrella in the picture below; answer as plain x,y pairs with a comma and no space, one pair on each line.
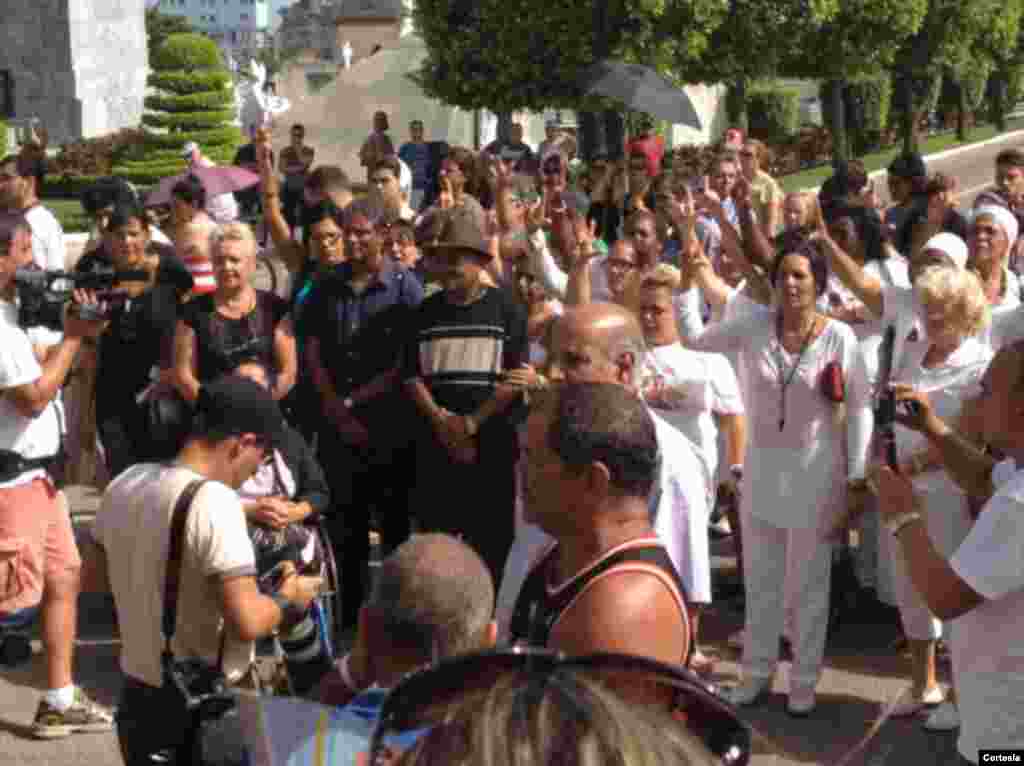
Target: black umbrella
641,89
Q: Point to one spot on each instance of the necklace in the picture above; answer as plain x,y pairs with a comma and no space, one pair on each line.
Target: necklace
784,379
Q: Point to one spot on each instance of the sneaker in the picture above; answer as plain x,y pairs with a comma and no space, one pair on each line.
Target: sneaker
908,705
748,691
945,717
802,700
84,715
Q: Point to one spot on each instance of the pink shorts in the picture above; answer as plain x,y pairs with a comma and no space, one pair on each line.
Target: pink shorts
37,543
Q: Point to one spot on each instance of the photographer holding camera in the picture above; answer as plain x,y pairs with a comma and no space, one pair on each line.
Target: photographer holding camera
35,527
190,506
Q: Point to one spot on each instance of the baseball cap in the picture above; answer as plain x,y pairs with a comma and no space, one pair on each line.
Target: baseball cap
234,405
189,149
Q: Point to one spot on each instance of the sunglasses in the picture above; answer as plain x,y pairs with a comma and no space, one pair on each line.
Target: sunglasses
425,700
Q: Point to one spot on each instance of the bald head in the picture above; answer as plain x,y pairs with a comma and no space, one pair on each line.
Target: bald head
434,593
599,343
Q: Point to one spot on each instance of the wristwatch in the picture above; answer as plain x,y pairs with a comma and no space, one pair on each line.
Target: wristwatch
291,613
736,471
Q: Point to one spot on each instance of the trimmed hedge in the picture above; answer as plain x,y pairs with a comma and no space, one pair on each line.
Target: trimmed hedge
192,102
186,51
187,83
226,136
925,91
189,120
973,82
867,101
773,113
867,105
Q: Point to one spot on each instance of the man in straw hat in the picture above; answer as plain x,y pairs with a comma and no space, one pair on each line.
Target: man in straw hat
463,341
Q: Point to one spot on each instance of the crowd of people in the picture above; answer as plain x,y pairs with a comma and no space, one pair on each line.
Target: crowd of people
542,384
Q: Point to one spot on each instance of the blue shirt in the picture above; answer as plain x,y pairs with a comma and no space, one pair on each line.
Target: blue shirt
361,334
417,157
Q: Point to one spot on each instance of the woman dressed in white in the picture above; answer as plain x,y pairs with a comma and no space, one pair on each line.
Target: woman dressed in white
948,365
697,393
794,363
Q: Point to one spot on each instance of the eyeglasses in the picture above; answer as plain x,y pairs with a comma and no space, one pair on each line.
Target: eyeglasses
428,698
381,180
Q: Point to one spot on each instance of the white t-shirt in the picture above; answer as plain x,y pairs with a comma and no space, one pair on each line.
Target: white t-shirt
29,437
688,388
133,526
47,238
989,654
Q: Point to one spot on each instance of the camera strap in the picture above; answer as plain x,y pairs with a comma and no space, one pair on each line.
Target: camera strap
175,555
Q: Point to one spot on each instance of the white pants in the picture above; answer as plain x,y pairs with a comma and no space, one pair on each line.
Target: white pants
768,551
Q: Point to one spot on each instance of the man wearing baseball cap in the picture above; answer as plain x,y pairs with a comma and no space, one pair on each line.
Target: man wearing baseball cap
220,611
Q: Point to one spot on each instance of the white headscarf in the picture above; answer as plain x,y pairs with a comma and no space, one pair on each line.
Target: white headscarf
1002,216
950,244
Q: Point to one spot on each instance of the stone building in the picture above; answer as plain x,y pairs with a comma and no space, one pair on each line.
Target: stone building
79,66
307,30
367,24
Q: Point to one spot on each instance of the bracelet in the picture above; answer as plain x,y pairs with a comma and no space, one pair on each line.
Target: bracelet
896,525
346,675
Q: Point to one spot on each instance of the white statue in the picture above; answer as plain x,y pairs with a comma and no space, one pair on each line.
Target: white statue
256,99
346,54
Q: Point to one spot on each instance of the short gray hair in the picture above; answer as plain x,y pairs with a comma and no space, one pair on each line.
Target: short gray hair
236,231
433,595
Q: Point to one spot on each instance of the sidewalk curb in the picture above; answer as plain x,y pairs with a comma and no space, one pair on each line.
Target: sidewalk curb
943,154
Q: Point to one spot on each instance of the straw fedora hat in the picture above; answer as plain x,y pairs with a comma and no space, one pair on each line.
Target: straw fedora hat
455,229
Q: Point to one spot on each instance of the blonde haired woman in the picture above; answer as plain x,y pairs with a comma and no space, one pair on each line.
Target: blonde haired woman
236,322
570,718
948,365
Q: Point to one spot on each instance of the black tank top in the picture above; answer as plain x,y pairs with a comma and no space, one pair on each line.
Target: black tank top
539,608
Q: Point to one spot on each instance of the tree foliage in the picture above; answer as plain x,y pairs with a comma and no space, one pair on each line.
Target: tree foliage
506,55
190,100
160,26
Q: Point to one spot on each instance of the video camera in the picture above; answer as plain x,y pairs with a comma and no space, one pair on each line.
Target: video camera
42,295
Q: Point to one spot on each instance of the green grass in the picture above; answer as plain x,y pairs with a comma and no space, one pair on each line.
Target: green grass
70,214
809,179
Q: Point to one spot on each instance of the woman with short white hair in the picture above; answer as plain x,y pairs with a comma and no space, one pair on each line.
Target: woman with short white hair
235,323
946,360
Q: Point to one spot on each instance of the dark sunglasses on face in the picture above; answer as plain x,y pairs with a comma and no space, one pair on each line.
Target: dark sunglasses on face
426,699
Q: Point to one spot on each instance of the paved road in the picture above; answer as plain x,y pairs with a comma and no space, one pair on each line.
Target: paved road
862,672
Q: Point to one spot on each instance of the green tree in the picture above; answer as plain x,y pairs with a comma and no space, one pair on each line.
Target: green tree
862,39
961,38
160,26
190,99
506,55
752,42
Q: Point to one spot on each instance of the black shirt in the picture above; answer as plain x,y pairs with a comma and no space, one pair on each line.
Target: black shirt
361,334
461,352
538,607
223,343
138,338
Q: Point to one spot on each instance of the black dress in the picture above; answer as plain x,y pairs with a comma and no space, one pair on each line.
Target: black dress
223,343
